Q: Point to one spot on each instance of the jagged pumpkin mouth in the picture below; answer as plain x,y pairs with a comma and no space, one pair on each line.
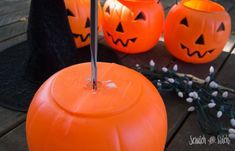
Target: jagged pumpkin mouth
196,52
82,38
118,40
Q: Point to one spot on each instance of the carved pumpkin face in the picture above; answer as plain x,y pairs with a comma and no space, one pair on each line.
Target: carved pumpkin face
197,30
78,12
132,26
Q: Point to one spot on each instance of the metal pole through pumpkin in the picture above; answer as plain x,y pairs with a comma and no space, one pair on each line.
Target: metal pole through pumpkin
94,41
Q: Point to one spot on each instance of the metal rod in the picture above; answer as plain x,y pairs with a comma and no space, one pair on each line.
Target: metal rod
94,41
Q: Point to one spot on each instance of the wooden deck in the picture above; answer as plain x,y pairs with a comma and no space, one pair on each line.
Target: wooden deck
181,124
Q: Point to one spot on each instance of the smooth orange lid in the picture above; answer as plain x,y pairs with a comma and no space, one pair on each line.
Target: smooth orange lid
72,91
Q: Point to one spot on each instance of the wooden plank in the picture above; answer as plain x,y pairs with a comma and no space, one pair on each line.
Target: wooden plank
102,2
227,73
191,128
10,1
161,58
232,14
9,120
12,30
2,146
176,113
11,42
157,53
173,104
228,4
197,70
14,17
230,44
8,7
15,140
168,3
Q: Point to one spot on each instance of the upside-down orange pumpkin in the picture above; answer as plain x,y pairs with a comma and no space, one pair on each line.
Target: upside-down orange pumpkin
125,112
197,30
132,26
78,12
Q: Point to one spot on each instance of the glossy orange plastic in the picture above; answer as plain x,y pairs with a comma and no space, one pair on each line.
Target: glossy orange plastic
197,30
125,113
132,26
78,12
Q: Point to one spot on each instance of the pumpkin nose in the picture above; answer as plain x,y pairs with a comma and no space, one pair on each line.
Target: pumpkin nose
87,23
200,40
119,28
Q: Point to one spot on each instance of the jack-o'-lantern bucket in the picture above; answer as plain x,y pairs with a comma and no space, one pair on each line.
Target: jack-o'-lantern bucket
125,113
197,30
78,12
132,26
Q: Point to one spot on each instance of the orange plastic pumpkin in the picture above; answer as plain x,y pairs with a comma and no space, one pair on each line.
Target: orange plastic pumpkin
197,30
125,113
132,26
78,12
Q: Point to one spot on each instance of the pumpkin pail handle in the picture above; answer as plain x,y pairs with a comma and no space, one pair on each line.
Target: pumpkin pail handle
94,42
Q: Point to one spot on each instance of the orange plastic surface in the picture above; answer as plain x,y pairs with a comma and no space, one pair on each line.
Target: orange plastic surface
197,30
79,20
132,26
125,113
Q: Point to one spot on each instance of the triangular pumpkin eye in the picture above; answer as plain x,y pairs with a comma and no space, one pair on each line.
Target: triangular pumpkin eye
184,21
107,10
87,23
140,16
69,12
221,27
200,40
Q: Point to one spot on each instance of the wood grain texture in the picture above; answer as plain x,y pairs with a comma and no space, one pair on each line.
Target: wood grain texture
13,41
14,140
227,4
9,120
199,70
227,73
167,3
13,17
158,54
191,127
18,28
11,6
176,113
232,14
